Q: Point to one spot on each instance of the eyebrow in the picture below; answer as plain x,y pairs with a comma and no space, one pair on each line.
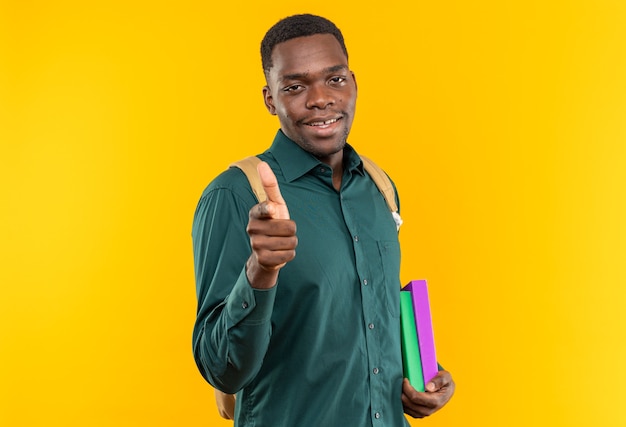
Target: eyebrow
298,76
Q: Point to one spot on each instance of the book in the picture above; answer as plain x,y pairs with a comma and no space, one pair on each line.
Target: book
418,290
411,360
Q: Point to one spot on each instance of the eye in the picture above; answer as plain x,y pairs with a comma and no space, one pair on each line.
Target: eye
293,88
337,80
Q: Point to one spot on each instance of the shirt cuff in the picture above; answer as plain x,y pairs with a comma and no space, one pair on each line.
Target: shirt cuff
248,305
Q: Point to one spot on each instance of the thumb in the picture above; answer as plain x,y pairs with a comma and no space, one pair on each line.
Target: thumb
270,185
439,381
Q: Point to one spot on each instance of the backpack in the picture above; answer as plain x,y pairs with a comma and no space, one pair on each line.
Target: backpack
380,178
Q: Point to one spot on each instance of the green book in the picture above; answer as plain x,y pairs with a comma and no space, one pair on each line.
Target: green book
411,361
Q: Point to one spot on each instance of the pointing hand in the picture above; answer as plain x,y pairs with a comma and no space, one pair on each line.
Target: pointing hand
272,234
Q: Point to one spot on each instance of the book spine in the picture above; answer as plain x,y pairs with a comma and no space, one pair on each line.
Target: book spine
424,327
411,360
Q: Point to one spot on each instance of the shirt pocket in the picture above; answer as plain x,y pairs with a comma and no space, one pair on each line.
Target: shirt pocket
389,251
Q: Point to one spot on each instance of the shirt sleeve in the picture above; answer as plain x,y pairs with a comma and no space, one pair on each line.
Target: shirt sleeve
232,329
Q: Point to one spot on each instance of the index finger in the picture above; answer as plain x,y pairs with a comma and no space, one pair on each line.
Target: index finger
270,185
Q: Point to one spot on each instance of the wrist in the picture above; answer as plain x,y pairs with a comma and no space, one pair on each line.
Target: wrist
260,277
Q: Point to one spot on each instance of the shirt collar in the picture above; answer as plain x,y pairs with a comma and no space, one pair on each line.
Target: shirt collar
295,162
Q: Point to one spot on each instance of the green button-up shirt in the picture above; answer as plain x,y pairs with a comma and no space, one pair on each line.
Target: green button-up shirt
322,347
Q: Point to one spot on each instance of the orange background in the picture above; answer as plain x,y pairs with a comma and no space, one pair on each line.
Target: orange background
502,124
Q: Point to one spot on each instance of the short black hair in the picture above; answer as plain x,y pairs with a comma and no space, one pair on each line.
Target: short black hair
293,27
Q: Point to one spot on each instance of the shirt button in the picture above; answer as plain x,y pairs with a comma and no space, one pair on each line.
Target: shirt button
365,282
244,305
356,238
322,170
377,415
371,326
375,370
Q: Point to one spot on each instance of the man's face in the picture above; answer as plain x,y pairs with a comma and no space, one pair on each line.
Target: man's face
313,92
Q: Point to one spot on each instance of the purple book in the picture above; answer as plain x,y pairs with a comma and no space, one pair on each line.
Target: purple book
424,326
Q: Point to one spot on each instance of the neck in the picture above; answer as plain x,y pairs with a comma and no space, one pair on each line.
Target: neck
336,164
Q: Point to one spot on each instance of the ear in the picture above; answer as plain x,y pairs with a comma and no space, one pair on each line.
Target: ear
354,78
269,100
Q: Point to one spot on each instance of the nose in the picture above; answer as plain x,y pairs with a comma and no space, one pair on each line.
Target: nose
319,96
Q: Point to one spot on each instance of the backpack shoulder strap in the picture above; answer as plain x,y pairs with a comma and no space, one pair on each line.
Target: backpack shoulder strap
380,178
248,167
382,181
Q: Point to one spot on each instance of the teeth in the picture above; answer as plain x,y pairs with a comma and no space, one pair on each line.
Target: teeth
327,122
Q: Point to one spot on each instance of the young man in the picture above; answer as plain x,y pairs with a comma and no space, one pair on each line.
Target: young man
308,337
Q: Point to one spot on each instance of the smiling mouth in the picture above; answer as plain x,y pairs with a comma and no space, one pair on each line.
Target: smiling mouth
323,123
